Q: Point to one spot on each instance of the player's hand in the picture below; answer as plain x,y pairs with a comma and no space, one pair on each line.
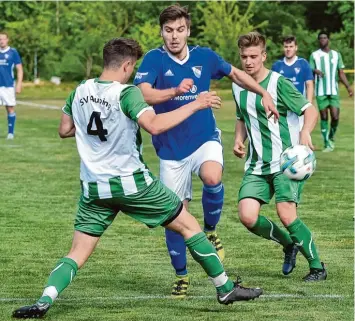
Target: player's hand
350,91
184,86
305,139
18,88
269,106
318,73
208,99
239,149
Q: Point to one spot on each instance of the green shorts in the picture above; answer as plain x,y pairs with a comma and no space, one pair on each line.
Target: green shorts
153,206
324,102
263,188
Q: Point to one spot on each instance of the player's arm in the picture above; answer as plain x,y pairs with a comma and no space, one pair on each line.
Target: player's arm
239,138
19,78
297,103
312,64
344,80
309,79
134,107
66,126
156,96
309,90
310,121
245,81
157,124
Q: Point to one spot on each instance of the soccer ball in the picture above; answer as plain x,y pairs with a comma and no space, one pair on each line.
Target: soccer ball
298,162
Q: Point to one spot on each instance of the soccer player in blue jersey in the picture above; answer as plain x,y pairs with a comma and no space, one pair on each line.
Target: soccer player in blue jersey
9,58
169,77
296,69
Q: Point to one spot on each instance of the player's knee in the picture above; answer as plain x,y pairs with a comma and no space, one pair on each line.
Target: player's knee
248,220
212,179
248,212
185,224
335,119
287,212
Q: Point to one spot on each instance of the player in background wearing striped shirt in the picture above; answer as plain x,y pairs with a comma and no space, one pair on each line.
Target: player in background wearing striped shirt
327,66
267,139
105,116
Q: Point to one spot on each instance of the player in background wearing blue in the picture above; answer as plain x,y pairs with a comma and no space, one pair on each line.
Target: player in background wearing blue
9,57
169,77
296,69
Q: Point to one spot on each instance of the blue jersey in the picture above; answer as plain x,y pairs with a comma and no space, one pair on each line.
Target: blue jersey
298,72
9,58
162,70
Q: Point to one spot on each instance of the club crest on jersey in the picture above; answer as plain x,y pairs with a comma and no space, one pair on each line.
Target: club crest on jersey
297,70
6,56
197,71
281,72
193,89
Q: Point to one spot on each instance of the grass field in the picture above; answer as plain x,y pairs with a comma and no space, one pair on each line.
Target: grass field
129,276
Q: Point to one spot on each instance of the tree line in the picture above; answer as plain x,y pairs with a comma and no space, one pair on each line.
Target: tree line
65,39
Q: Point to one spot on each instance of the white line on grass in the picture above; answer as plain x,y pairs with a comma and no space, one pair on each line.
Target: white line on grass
196,297
27,103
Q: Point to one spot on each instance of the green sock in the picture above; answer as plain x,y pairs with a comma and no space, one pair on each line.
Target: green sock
333,128
205,254
59,279
324,130
302,237
270,231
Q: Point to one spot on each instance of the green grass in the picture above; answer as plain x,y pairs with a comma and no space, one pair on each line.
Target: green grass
40,187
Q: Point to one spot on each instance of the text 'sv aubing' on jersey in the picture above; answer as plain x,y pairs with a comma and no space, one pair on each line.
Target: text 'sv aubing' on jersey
108,137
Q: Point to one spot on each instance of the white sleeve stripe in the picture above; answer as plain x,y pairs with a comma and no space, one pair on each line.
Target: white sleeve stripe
66,112
306,106
143,110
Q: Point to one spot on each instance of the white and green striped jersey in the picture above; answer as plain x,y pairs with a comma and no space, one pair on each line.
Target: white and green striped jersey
329,63
268,140
108,138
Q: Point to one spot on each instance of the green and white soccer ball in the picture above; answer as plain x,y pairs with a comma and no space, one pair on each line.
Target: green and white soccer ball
298,162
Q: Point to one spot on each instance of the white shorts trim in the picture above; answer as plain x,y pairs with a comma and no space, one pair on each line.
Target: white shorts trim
7,96
177,175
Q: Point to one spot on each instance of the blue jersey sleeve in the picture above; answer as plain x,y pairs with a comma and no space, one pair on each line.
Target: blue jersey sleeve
17,58
220,67
149,69
308,74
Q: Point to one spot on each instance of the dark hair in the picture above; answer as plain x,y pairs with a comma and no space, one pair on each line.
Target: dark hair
251,39
289,39
173,13
323,33
119,49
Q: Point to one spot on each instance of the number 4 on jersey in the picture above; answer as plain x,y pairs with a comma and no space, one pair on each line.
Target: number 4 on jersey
99,131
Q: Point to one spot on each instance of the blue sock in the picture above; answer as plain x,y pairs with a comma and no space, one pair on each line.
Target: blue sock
11,119
177,251
212,203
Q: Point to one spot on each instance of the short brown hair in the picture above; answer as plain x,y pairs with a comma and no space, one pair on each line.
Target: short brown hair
118,49
289,39
173,13
252,39
4,33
